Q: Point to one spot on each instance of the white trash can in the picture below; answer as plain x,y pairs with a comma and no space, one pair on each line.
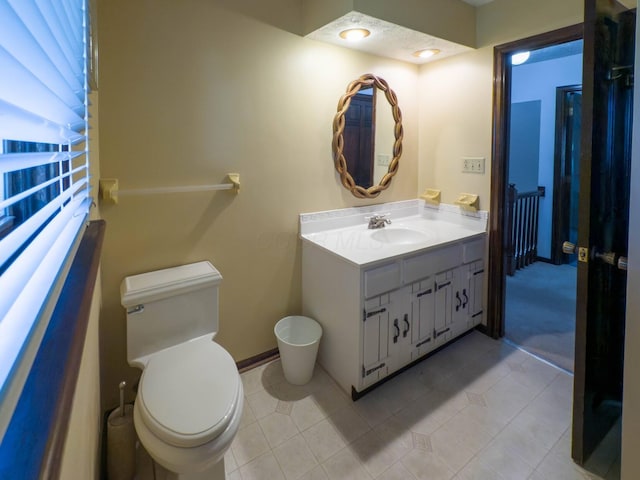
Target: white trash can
298,340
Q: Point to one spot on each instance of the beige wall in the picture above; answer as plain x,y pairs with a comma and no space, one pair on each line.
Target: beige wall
503,21
190,91
455,95
455,122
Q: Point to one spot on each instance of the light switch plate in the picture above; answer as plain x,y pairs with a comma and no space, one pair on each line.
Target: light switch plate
473,164
383,159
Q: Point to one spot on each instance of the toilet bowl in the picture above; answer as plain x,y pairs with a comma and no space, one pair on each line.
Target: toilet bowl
190,395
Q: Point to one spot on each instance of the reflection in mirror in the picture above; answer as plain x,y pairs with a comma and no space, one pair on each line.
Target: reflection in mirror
359,135
367,139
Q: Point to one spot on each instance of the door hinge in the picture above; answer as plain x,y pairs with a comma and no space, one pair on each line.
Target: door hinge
366,373
442,332
374,313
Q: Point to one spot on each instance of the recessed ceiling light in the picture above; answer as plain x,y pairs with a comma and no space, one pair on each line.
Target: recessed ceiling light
355,34
519,58
429,52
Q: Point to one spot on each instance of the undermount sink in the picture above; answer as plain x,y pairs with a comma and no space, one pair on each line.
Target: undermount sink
399,236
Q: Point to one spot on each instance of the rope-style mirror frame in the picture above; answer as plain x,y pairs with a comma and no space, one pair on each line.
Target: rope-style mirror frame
366,80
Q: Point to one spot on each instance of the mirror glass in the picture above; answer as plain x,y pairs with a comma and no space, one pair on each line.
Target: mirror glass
367,140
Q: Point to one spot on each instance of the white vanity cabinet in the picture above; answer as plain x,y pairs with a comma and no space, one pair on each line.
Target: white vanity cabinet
380,318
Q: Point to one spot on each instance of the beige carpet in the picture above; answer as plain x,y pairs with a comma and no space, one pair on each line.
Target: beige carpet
540,312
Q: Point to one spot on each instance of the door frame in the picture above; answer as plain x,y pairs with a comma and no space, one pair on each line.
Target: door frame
500,166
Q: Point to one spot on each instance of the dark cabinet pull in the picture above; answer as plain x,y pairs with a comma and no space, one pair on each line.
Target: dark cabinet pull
459,301
406,322
395,325
466,299
422,294
445,284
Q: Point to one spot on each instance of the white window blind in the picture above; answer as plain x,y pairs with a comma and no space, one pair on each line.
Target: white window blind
44,172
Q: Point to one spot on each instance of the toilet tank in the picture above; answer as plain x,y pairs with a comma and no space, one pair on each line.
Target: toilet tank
168,307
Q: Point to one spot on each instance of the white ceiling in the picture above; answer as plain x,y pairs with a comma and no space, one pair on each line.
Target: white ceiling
386,39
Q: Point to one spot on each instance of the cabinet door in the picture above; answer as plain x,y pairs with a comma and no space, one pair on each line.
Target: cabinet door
422,317
462,300
444,289
400,329
375,339
476,292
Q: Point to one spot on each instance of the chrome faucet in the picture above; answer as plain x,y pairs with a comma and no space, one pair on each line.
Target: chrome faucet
378,221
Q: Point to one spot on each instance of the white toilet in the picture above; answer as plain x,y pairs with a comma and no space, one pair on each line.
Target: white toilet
189,401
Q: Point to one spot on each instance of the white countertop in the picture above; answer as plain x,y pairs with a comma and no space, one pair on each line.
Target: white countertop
354,242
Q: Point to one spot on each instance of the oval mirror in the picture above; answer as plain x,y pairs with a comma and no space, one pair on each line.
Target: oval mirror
367,136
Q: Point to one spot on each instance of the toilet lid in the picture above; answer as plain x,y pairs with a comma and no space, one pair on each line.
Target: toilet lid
188,393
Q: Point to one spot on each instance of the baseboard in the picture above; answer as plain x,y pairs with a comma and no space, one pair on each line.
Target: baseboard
257,360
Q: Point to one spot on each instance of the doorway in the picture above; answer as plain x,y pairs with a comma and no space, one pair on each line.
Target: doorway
543,155
607,100
500,234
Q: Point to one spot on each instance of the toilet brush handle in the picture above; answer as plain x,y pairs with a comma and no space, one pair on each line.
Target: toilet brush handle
121,387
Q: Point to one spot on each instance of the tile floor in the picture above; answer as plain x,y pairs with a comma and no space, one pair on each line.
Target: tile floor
479,409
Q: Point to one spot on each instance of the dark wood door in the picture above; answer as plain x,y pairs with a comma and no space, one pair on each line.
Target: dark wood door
359,138
604,221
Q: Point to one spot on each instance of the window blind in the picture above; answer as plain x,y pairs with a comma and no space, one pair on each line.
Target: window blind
44,172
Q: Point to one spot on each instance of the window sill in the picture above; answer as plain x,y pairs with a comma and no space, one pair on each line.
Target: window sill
33,443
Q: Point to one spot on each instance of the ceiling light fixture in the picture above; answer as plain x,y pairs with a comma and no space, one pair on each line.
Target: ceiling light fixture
355,34
429,52
519,58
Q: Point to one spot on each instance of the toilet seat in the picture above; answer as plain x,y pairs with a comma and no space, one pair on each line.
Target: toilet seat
188,393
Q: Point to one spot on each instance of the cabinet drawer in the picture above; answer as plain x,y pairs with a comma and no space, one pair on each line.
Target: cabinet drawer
421,266
473,250
418,267
381,279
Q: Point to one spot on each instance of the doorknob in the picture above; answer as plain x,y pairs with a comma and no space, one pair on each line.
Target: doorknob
568,248
607,257
622,263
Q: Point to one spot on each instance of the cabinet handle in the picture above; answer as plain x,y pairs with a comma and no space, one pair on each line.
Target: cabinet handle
466,299
406,321
395,325
459,301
